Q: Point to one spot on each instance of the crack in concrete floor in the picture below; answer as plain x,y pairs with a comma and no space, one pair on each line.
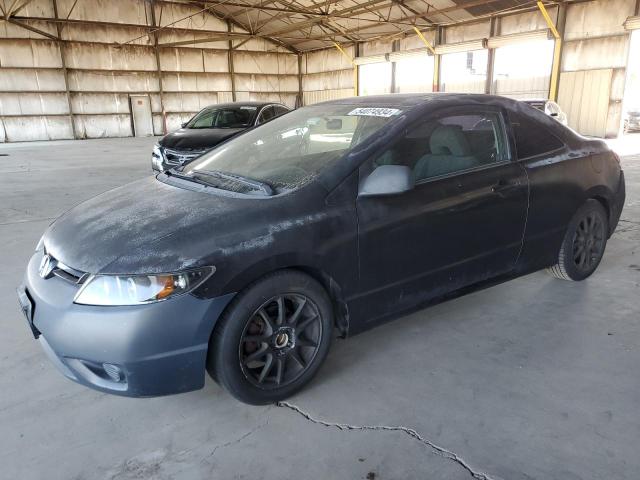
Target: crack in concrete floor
438,450
237,440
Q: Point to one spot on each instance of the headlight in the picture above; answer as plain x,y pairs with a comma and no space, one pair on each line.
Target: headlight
156,158
139,289
40,244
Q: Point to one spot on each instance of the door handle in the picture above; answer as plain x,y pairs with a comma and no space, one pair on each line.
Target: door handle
503,186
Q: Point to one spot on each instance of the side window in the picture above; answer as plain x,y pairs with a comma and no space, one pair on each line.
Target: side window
532,138
280,110
266,114
205,119
450,144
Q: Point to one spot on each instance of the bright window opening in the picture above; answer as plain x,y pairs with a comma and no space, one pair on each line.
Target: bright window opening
523,70
464,72
375,78
414,75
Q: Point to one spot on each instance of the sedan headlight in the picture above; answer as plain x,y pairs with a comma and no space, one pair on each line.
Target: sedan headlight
156,158
40,245
113,290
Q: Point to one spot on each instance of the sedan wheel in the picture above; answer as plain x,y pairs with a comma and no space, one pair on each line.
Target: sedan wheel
588,242
280,341
584,243
272,338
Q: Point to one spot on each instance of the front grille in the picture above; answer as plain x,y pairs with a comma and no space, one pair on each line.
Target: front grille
66,272
178,157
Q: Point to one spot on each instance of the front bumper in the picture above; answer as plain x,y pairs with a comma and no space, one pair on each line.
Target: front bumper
138,351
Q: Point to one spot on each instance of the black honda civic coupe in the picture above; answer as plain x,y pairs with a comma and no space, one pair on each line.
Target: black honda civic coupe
323,222
209,127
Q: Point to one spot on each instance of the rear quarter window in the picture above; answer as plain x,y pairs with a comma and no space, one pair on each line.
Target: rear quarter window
532,138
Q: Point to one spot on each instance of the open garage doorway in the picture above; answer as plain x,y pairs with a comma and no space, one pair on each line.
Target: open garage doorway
414,74
464,72
631,103
522,70
375,78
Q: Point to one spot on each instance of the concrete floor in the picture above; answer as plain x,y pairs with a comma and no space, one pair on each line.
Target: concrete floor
532,379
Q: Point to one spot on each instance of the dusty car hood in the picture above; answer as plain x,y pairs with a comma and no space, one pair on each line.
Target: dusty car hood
197,138
149,226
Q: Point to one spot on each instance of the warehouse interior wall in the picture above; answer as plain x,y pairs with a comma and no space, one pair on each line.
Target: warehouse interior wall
328,74
511,55
632,84
78,79
523,70
80,86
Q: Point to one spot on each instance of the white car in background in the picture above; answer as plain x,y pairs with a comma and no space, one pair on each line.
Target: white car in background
632,120
549,107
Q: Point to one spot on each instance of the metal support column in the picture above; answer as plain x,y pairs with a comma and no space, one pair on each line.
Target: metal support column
491,53
395,46
65,72
436,57
300,100
154,25
356,72
355,67
557,30
436,60
231,68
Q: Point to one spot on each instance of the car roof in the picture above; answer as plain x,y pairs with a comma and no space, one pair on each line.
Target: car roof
244,104
410,100
535,100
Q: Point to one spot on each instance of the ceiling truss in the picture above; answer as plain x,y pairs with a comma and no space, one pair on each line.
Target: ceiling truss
300,25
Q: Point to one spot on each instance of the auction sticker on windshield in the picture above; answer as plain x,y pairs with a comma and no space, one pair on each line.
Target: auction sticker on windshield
374,112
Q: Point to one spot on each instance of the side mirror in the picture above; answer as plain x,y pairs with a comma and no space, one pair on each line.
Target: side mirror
387,180
182,125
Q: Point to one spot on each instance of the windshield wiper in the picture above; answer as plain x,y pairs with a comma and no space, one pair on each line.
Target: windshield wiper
174,173
264,187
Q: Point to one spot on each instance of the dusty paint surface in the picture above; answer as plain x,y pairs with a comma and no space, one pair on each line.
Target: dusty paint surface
534,378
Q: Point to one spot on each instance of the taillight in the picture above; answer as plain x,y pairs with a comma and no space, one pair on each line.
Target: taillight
615,155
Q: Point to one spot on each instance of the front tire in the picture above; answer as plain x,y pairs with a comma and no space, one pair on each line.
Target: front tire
584,243
272,339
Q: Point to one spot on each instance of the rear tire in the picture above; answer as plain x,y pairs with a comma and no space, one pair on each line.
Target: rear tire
584,243
272,338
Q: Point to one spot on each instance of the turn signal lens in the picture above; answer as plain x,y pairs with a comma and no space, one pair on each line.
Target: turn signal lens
114,290
40,245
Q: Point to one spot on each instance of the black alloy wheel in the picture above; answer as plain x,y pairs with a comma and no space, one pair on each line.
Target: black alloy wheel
584,243
280,341
588,242
272,338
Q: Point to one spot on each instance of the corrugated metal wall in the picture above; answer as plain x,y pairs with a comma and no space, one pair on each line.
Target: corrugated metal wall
584,96
327,75
104,66
595,39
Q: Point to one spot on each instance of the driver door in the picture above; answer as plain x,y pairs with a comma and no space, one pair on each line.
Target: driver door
462,222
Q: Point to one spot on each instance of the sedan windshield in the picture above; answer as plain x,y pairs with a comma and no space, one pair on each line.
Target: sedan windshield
224,117
292,150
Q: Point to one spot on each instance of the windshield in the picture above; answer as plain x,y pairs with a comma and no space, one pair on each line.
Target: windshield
224,117
291,150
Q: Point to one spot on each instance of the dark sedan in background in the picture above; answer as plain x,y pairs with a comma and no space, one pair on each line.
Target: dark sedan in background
208,128
332,218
